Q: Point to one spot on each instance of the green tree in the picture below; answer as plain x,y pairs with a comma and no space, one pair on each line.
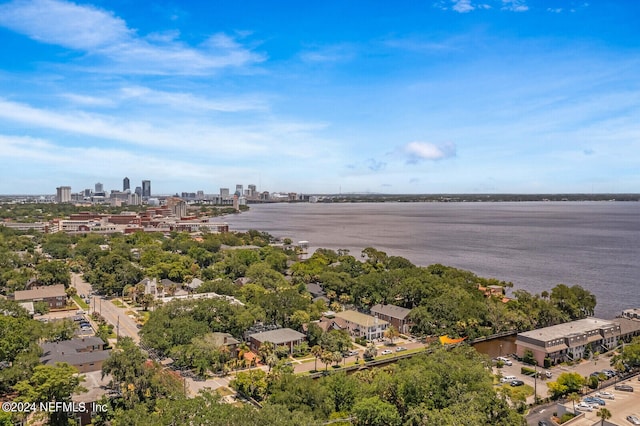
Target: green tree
391,333
51,383
373,411
604,415
573,397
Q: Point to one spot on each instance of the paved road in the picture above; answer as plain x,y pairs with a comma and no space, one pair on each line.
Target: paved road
125,325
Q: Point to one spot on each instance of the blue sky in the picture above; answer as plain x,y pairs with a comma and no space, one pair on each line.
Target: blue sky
492,96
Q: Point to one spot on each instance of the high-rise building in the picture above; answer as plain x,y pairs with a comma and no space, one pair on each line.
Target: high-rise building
138,190
99,188
252,191
224,192
125,184
239,189
63,194
146,188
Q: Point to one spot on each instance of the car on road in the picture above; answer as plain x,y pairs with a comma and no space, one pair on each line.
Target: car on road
543,423
506,361
605,395
594,400
634,420
386,352
352,353
624,388
515,383
400,349
583,406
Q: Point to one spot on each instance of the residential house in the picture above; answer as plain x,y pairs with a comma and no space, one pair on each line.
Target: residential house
86,354
279,337
54,295
363,325
396,315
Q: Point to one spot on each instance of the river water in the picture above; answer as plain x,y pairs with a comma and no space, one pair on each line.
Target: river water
534,245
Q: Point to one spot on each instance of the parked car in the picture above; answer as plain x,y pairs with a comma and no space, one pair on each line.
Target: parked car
506,361
386,352
606,395
634,420
624,388
517,383
400,349
609,373
594,400
507,379
353,353
583,406
548,374
543,423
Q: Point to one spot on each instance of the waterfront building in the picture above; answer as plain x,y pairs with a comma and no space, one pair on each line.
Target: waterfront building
631,313
569,341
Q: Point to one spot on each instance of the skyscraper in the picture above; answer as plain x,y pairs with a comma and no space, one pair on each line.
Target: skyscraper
146,188
239,189
99,188
63,194
125,184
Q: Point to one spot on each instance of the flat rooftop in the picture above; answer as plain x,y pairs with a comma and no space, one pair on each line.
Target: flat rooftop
567,329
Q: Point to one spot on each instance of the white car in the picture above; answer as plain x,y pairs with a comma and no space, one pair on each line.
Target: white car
386,352
583,406
634,420
605,395
506,361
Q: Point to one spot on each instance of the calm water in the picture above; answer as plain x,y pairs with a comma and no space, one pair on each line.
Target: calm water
534,245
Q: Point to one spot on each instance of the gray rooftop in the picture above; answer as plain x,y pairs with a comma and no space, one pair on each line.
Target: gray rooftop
392,311
567,329
40,292
69,351
279,336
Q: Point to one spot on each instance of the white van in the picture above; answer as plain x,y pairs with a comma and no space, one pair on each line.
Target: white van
507,379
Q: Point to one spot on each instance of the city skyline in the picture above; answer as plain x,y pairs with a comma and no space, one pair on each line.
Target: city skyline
449,96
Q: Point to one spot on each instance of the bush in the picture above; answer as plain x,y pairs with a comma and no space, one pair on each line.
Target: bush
547,362
361,341
566,417
528,371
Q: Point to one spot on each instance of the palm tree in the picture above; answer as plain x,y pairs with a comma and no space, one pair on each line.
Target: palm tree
326,358
266,349
391,333
316,351
604,414
573,397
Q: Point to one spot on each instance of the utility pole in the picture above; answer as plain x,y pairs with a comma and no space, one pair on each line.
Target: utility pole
535,383
118,329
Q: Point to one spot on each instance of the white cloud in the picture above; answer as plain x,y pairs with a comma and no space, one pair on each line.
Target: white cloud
515,5
554,10
419,151
100,33
332,53
462,6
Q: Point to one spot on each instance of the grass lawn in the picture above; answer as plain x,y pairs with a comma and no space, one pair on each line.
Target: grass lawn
224,391
117,303
80,302
517,393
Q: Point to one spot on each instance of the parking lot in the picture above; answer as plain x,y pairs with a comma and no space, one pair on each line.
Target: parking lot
624,404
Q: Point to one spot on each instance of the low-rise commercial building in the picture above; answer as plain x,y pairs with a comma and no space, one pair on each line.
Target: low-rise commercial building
569,341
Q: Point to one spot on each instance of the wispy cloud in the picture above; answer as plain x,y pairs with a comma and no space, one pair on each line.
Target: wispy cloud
331,53
554,10
101,34
515,5
266,137
420,151
463,6
375,166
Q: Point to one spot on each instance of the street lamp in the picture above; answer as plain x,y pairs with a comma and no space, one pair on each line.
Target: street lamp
500,350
